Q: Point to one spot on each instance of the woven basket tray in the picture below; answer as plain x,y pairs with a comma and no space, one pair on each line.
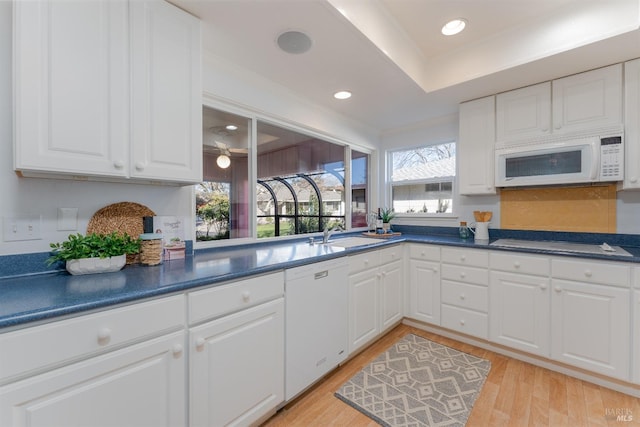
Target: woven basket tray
122,217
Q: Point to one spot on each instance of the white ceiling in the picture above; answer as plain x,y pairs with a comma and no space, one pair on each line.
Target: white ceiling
391,55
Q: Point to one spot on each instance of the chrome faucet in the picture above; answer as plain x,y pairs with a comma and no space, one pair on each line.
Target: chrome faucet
326,235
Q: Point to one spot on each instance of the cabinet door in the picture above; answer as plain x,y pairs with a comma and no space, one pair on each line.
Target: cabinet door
586,101
391,311
632,125
424,291
71,71
363,308
636,337
141,385
523,113
166,93
520,312
475,148
591,327
237,366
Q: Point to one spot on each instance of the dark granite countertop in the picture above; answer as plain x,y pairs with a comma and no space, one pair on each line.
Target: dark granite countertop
43,297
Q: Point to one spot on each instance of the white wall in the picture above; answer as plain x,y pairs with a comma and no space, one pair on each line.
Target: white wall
445,130
27,196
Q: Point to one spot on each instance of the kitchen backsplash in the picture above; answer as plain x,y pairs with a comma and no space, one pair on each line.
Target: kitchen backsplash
589,209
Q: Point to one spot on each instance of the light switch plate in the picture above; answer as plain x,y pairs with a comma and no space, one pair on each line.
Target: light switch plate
23,227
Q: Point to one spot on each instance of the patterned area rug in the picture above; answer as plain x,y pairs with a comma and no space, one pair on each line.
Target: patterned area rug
417,383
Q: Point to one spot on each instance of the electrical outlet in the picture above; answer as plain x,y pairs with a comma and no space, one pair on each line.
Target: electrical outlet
67,219
25,227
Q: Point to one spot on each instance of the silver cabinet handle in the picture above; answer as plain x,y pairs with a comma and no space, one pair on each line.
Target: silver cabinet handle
321,274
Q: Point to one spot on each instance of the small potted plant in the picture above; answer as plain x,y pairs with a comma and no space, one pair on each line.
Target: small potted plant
94,253
387,215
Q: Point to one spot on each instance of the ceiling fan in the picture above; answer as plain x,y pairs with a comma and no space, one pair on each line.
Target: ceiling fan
225,151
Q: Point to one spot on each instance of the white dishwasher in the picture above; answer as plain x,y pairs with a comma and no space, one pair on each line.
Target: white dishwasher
316,319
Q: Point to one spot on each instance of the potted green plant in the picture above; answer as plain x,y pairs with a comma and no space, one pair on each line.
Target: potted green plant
387,215
94,253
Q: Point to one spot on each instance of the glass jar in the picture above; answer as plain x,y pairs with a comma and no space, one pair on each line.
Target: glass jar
463,230
151,249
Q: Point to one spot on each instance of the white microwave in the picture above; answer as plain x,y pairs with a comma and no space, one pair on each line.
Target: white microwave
568,161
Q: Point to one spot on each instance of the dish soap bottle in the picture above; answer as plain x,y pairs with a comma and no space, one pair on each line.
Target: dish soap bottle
463,230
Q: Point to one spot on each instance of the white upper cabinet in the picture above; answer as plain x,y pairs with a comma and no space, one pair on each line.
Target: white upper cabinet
166,96
591,100
632,125
571,105
107,89
524,113
475,150
71,71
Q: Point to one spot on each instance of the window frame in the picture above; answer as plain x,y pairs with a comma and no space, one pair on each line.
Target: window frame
455,200
254,116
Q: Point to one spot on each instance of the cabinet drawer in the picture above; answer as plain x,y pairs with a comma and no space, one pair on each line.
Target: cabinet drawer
428,252
465,321
591,272
460,273
217,301
465,296
525,264
469,257
364,261
388,255
41,346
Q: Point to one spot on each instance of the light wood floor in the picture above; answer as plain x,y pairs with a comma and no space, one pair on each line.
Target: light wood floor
515,394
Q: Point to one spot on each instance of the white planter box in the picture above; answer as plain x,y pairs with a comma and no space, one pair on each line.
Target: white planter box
96,265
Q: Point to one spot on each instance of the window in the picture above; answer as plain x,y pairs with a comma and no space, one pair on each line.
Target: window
222,199
300,186
298,183
359,186
422,179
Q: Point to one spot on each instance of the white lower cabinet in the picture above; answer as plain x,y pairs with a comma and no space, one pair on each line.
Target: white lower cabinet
139,385
520,302
237,366
236,357
111,368
391,291
363,308
591,327
590,315
464,291
375,294
636,334
424,283
570,310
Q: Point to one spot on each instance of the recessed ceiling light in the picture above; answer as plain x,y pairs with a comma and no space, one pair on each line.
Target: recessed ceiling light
343,94
295,42
231,127
454,27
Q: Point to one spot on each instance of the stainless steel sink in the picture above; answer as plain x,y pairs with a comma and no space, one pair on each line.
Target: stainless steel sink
584,248
350,242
